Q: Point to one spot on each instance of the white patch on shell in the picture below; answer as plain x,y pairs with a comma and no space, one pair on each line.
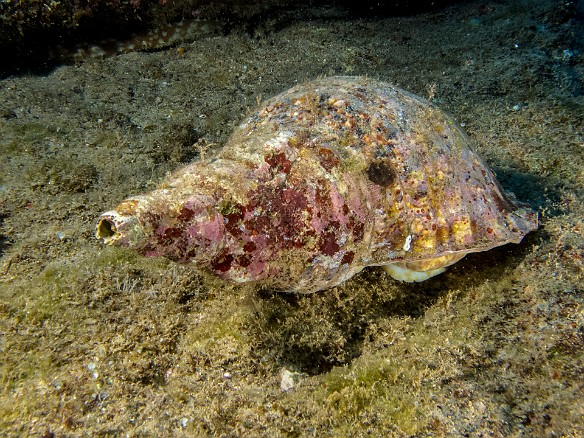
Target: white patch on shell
408,243
280,141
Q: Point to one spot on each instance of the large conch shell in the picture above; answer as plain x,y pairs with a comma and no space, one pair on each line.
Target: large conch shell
321,181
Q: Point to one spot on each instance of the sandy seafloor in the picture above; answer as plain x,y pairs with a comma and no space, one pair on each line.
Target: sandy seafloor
96,341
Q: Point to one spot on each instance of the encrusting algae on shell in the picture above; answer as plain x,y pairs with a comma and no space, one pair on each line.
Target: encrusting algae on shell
321,181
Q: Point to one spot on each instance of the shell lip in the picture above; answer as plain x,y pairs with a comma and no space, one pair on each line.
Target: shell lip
533,225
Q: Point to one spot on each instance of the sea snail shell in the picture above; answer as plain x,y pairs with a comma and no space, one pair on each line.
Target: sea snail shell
321,181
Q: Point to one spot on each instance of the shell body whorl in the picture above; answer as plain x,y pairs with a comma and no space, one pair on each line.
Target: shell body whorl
322,180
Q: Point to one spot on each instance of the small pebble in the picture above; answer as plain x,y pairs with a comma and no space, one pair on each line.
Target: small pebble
288,380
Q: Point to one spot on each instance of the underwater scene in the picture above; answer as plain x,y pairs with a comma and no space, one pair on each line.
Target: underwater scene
290,218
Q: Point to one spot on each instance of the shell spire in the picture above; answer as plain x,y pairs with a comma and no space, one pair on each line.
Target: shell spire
321,181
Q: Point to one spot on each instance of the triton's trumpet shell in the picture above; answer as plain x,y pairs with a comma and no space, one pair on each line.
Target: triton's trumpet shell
327,178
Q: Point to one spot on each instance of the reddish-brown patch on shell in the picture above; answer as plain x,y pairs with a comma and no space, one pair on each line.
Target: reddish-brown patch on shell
278,161
327,159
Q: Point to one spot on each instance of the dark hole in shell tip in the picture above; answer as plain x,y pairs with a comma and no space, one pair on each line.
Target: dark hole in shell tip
105,229
381,173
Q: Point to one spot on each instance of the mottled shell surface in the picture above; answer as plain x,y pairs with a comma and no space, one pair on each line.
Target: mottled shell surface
321,181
